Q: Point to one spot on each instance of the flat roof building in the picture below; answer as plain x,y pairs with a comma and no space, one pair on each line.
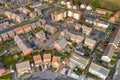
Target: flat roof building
79,61
23,67
99,71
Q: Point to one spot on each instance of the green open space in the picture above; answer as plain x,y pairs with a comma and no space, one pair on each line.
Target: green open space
53,69
14,52
91,75
8,60
6,77
107,4
57,53
78,70
74,44
86,48
25,74
2,48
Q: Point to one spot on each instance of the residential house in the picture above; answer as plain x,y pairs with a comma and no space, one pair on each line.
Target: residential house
76,14
50,1
47,58
77,27
37,60
90,43
14,16
19,30
11,34
86,30
56,61
23,67
60,45
4,36
97,22
83,6
63,2
69,4
43,22
69,20
99,71
41,35
79,39
101,24
33,25
24,10
108,53
90,20
101,11
50,29
38,11
70,36
89,7
58,15
115,16
38,24
23,46
27,28
79,61
32,14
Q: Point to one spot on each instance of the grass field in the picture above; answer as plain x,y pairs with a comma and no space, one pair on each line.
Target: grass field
107,4
110,4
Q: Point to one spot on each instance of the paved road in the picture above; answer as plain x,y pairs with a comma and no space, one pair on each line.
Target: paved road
47,75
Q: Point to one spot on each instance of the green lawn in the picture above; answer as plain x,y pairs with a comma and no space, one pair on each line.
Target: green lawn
67,54
113,61
114,58
108,29
86,48
91,75
57,53
78,70
6,77
53,69
49,51
2,48
74,44
107,4
14,51
25,74
23,23
8,60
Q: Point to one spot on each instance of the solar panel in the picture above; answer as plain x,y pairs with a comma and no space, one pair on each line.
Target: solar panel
103,71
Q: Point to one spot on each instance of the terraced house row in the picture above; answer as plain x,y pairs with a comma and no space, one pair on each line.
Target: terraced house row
26,28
